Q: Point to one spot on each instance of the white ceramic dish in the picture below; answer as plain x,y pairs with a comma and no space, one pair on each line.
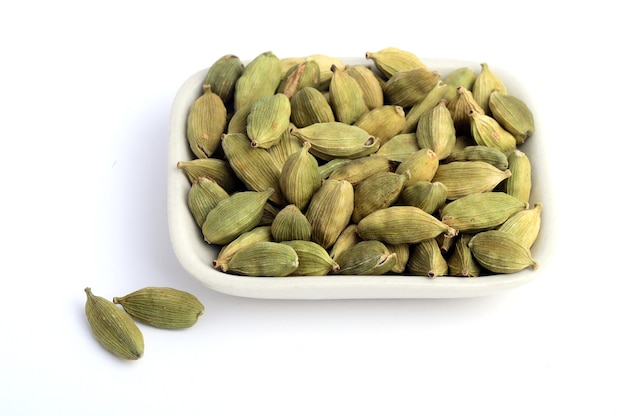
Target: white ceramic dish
195,255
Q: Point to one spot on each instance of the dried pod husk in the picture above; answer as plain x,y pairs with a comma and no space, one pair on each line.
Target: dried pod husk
290,224
401,224
465,178
330,210
302,75
408,88
426,259
217,169
300,177
162,307
260,78
285,147
310,106
460,106
461,262
402,252
369,83
486,82
256,235
346,97
113,328
513,114
223,75
525,225
205,123
441,91
268,119
238,122
313,259
326,169
501,252
479,212
391,60
204,195
460,77
422,166
346,239
252,165
435,131
519,184
337,140
375,192
383,122
474,153
366,258
233,216
426,195
398,147
359,169
264,259
487,131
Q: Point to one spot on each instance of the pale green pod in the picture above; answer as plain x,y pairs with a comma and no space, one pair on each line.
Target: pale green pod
402,224
441,91
222,76
426,195
256,235
460,106
264,259
268,119
487,131
398,147
357,170
375,192
113,328
300,177
481,211
309,106
346,97
233,216
313,259
486,82
402,252
460,77
421,165
501,252
290,224
217,169
330,210
426,259
461,262
162,307
346,239
337,140
365,258
285,147
525,225
435,131
369,83
260,77
206,123
480,153
465,178
408,88
519,184
383,122
390,60
252,165
238,122
513,114
204,195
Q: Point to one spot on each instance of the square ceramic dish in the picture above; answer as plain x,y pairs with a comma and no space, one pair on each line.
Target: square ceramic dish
195,255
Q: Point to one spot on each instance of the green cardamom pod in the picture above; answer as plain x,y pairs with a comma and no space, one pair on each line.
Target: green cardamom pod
206,123
487,131
310,106
425,195
375,192
369,83
513,114
357,170
113,328
300,177
486,82
260,77
365,258
435,131
346,97
501,252
465,178
525,225
223,75
486,154
255,235
383,122
480,211
204,195
421,165
399,147
519,184
217,169
426,259
263,259
335,139
268,119
461,262
330,210
313,259
391,60
290,224
162,307
409,88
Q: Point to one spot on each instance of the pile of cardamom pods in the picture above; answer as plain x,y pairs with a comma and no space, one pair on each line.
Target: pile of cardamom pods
308,167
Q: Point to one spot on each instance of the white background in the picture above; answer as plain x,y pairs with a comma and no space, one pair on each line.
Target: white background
85,94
